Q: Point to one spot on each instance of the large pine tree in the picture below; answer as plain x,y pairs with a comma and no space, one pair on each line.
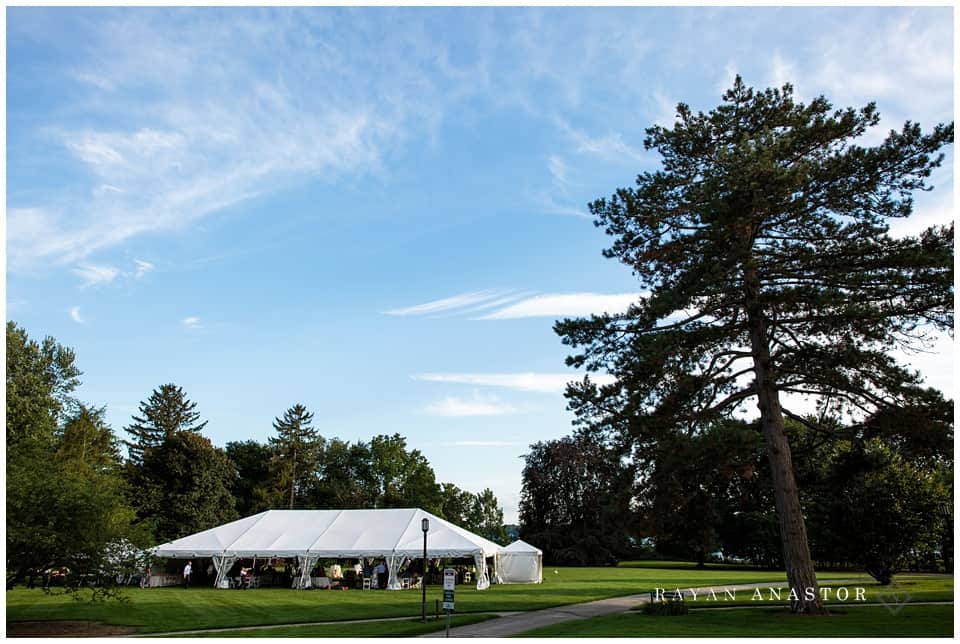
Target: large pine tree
166,412
763,243
296,446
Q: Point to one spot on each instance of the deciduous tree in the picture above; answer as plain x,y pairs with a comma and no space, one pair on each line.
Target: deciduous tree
575,504
188,483
65,502
252,461
485,517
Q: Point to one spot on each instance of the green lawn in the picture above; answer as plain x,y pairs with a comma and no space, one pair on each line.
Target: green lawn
404,628
905,589
862,621
171,609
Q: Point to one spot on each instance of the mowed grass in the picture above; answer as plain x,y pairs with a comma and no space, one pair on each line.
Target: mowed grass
391,628
173,609
846,621
905,589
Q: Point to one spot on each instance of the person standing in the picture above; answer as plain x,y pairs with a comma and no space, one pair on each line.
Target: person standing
187,573
145,579
381,571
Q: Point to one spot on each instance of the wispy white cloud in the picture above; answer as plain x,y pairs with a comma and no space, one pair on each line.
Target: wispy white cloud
105,189
506,304
665,109
725,81
473,300
214,133
549,204
92,79
75,315
485,443
565,305
905,57
609,146
935,209
530,381
92,274
558,170
478,405
782,71
143,267
191,323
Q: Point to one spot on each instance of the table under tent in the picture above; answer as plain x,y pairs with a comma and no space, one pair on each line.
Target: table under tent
394,535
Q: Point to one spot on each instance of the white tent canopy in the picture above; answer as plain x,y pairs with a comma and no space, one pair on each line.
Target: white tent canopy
309,535
520,563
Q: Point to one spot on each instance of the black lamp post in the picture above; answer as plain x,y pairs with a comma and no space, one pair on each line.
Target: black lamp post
425,526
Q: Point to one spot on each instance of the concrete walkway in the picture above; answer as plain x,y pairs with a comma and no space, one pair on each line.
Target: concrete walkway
263,627
528,621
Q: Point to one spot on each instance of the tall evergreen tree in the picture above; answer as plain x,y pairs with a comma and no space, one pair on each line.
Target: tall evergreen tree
296,448
763,243
166,412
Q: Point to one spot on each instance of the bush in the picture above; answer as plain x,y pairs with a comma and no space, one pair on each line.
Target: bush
662,608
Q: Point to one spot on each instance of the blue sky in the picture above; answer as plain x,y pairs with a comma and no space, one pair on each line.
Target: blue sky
379,212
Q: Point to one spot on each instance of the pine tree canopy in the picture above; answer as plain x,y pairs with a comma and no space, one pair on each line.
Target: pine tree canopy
165,413
296,446
766,209
294,428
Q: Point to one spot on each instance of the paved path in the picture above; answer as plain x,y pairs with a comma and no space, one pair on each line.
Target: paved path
528,621
233,629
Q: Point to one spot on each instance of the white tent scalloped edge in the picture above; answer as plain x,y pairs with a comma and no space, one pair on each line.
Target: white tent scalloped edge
310,535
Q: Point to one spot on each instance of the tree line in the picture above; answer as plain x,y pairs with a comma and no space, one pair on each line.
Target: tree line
877,497
75,500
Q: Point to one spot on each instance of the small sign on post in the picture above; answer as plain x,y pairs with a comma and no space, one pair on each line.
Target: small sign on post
449,585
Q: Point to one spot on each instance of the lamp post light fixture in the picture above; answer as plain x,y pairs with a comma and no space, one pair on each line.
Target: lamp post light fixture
425,526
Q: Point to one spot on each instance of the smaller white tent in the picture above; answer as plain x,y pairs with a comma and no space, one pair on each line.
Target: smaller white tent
520,563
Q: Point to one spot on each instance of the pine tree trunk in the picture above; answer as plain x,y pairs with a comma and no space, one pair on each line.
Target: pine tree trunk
793,531
293,477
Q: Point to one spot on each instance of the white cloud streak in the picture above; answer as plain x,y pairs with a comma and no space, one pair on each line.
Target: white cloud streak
75,315
565,305
558,170
507,304
610,146
549,383
471,301
191,323
92,274
478,405
143,268
485,444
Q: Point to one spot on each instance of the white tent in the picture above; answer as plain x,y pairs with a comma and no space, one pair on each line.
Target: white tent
309,535
520,563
